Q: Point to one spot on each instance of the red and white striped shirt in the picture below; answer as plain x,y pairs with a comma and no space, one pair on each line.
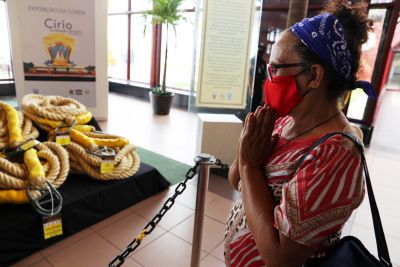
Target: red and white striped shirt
312,201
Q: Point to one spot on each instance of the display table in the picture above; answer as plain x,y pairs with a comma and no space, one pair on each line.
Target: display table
86,202
211,140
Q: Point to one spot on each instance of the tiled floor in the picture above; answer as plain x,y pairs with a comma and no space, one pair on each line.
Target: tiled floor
170,243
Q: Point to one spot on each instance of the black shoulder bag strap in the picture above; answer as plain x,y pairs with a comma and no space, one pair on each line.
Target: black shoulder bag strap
383,251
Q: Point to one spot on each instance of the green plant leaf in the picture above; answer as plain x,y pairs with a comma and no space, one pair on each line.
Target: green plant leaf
164,12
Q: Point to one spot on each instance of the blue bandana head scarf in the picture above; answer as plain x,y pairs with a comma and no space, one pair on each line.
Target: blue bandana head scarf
324,35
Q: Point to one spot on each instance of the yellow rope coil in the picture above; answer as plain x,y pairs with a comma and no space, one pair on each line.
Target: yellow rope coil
51,112
14,177
21,127
126,162
47,161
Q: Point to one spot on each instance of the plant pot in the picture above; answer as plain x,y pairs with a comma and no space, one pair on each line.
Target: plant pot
161,103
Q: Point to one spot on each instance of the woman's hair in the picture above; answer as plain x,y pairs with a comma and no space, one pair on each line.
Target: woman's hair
356,24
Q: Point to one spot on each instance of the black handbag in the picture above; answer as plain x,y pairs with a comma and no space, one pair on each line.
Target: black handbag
350,251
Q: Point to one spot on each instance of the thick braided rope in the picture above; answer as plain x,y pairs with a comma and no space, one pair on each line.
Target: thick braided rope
56,108
14,175
126,162
54,159
28,130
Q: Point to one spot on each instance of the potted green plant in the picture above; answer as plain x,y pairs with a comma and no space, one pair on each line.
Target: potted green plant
164,12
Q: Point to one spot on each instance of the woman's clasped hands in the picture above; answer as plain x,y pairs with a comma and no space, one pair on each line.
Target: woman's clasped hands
256,142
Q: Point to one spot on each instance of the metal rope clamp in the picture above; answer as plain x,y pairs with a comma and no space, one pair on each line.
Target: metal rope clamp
103,151
63,137
19,150
107,156
65,125
48,195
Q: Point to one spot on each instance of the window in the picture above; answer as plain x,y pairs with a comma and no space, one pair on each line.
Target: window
272,24
394,74
5,58
180,53
358,98
180,49
129,49
140,50
118,46
381,1
117,6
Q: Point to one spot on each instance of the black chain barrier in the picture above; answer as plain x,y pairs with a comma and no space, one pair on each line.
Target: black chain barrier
120,259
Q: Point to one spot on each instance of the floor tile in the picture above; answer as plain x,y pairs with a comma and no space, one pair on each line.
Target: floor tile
66,242
188,197
159,198
222,187
211,261
122,232
90,251
388,192
42,263
168,250
111,220
349,224
219,209
367,237
218,252
174,216
28,261
131,263
213,232
390,223
347,228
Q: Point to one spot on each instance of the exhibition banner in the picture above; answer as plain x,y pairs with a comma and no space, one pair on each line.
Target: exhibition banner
223,78
57,49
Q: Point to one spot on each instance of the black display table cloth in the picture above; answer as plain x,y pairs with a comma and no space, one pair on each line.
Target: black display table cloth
86,202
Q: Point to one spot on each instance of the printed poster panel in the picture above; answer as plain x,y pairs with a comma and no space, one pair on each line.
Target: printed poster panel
224,56
58,48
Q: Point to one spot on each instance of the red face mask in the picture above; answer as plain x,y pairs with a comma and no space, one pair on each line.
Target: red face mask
282,94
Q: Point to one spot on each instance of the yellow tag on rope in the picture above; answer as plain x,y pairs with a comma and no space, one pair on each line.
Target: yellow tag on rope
63,139
107,164
52,226
28,145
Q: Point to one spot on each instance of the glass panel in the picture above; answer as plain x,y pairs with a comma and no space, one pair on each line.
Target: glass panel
381,1
140,50
272,24
180,54
117,6
187,4
394,74
358,100
117,46
5,59
276,2
140,5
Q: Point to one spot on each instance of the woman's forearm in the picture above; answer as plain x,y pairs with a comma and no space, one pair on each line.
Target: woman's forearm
233,175
274,248
259,211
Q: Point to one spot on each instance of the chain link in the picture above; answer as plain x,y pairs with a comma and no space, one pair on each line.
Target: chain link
120,259
219,163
